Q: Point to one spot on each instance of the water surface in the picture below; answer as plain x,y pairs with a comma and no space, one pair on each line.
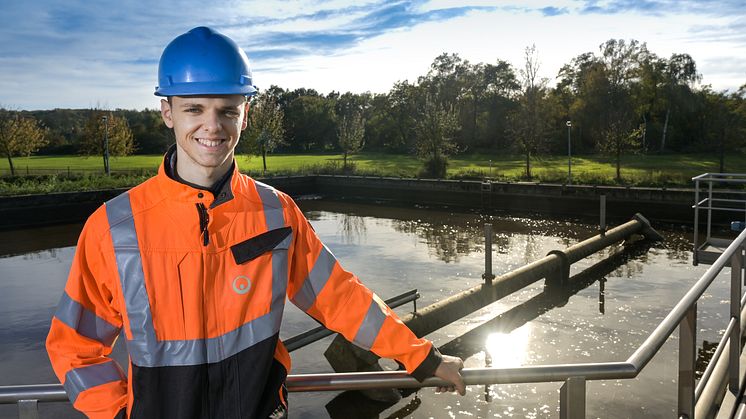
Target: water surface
615,299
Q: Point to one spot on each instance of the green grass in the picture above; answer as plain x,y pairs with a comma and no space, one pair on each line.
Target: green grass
63,173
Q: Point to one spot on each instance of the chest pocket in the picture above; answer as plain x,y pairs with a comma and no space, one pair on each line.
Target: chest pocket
254,247
255,280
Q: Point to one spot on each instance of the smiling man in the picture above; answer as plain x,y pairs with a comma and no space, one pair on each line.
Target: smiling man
195,265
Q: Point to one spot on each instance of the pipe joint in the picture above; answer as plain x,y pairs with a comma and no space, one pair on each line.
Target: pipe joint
561,276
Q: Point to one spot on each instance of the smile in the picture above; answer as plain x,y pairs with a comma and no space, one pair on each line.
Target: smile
210,142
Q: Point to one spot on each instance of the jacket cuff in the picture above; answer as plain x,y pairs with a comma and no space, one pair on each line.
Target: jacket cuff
428,365
122,414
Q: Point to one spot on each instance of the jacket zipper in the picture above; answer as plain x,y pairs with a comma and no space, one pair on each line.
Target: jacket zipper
204,220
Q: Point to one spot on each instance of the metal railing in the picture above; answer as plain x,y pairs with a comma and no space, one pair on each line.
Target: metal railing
575,376
714,202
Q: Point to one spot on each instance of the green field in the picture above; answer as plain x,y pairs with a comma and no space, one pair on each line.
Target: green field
76,173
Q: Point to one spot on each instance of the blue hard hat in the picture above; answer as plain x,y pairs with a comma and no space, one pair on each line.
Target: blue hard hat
204,62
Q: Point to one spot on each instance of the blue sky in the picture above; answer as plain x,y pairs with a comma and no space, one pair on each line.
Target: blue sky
104,53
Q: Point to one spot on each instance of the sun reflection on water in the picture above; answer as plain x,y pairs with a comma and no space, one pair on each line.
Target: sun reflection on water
508,349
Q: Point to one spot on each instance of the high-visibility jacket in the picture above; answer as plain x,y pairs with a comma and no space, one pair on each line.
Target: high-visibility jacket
198,284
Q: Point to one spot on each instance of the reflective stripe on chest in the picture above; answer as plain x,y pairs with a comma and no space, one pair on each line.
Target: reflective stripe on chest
144,347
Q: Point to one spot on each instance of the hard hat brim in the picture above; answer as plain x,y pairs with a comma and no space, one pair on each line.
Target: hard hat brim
194,89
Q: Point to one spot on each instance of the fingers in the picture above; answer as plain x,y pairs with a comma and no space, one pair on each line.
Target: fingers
450,371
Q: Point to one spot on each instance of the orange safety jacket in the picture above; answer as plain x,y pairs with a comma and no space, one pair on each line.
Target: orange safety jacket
198,282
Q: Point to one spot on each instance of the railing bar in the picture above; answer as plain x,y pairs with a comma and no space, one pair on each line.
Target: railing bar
736,261
687,362
706,177
729,200
390,379
721,209
713,360
658,337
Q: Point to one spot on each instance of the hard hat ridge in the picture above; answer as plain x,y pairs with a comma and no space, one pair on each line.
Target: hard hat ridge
204,62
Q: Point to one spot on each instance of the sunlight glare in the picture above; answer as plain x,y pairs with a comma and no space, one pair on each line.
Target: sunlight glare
508,349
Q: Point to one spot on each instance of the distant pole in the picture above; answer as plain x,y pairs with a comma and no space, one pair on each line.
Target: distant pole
107,169
569,153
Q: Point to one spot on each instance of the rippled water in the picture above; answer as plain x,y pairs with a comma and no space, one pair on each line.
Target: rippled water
616,298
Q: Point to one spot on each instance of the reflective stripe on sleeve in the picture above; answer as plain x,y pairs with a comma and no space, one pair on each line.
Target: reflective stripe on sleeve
85,322
371,325
78,380
316,280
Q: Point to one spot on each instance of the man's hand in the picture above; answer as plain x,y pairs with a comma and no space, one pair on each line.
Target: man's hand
449,370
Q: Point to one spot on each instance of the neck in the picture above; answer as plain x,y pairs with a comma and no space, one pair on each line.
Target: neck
203,176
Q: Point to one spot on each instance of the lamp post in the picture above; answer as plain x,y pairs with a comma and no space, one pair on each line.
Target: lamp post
105,119
569,153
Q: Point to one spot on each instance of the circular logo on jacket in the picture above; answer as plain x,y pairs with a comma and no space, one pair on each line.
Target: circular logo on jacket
241,284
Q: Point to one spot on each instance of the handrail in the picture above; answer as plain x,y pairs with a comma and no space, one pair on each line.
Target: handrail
526,374
656,339
712,176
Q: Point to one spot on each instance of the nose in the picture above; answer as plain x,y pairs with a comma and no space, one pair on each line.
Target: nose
212,122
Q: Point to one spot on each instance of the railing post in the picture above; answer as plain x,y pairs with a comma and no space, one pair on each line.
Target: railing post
488,276
696,222
736,263
572,398
687,358
709,212
602,224
28,409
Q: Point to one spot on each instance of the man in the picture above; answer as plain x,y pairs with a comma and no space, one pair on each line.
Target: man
196,263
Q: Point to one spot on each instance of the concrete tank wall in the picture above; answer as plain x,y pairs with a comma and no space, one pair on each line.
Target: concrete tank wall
658,204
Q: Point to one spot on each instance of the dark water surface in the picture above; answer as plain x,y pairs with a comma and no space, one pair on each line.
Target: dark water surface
616,299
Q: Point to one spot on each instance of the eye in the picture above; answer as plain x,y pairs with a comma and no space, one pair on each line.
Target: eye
192,110
232,113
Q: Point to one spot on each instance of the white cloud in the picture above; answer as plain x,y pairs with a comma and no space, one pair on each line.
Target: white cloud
112,57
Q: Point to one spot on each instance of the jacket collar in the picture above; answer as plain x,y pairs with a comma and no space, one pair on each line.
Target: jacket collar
182,191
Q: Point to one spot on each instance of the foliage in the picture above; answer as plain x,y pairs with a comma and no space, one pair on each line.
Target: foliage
19,135
350,132
528,124
265,131
102,123
434,135
607,93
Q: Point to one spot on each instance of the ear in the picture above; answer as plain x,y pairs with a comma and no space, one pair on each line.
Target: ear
166,113
245,122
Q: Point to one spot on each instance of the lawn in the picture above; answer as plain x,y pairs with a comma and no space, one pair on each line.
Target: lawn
642,170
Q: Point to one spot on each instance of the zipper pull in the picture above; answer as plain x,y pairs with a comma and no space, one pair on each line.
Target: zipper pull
204,220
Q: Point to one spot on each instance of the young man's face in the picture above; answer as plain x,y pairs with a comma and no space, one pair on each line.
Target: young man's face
207,128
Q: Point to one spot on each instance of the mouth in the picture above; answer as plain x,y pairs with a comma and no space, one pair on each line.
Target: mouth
211,142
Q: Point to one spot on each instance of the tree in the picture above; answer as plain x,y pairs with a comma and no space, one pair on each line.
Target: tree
529,124
617,139
434,132
114,128
680,73
351,132
19,135
309,121
265,131
620,133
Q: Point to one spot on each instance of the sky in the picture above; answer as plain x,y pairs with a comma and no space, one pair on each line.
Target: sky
104,53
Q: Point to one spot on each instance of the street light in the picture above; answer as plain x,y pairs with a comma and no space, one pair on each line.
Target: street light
569,153
105,119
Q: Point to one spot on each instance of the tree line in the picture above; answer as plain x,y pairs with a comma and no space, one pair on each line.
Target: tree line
620,99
